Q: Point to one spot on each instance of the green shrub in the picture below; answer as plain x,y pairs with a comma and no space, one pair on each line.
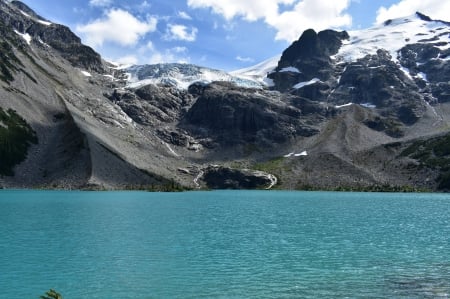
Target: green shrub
433,153
15,139
7,61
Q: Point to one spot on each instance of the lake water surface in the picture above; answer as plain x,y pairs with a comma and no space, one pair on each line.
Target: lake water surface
224,244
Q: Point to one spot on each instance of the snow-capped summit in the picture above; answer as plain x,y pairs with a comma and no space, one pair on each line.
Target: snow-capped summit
259,71
390,36
393,35
182,75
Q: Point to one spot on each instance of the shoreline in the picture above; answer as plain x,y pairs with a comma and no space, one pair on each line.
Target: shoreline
343,189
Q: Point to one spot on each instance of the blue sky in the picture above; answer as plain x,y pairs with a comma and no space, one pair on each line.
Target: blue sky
224,34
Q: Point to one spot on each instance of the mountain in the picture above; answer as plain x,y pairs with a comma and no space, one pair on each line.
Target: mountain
361,110
182,76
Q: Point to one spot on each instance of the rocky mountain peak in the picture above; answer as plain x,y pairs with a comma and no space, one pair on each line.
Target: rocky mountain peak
311,54
312,45
26,10
35,29
423,17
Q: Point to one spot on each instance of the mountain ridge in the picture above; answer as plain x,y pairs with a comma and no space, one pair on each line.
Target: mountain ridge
338,110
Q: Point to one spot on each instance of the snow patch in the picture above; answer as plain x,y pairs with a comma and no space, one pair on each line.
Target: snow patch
343,106
303,84
25,14
25,36
44,22
368,105
87,74
290,69
171,150
422,76
110,77
42,42
302,154
406,72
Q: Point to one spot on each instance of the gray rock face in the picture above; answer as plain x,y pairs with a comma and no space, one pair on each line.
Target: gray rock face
24,20
311,54
68,45
376,79
152,104
431,69
235,114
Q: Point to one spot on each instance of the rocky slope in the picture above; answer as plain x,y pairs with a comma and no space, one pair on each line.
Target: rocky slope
350,110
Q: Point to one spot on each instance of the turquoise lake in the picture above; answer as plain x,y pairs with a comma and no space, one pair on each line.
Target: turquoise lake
224,244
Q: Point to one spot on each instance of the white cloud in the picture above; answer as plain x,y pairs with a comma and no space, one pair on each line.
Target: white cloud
100,2
298,15
244,59
184,15
181,32
436,9
250,10
118,26
314,14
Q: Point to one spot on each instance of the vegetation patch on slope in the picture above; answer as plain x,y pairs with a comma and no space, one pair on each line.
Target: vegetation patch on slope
6,66
434,154
16,136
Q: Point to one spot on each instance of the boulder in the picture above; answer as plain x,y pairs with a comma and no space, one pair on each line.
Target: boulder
218,177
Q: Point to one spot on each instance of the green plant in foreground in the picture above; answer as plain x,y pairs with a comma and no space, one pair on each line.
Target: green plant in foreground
52,294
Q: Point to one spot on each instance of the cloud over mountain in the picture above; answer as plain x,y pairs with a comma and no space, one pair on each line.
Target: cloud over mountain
289,17
437,9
